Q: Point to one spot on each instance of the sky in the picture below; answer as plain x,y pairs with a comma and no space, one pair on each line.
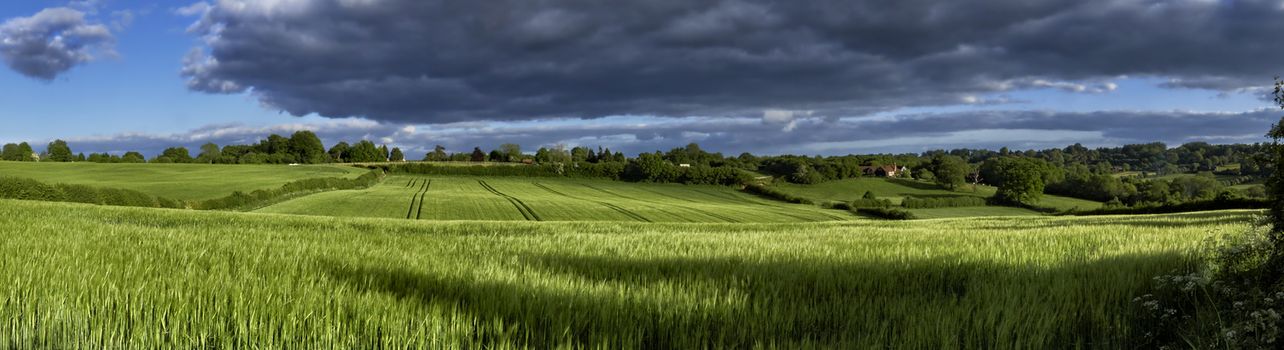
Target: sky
827,77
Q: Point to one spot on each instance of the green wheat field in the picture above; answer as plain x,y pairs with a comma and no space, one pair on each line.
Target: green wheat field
512,262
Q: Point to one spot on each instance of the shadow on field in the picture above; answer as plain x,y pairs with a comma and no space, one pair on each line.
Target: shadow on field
741,303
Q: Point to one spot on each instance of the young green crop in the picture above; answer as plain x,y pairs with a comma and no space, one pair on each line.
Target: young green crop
77,276
175,181
552,199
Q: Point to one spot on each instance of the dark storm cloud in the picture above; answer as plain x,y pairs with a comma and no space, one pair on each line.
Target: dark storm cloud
438,61
801,135
51,42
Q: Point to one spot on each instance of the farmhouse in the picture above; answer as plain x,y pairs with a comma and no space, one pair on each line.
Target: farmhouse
883,171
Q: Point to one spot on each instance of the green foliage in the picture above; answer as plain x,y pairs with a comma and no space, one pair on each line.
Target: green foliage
942,202
366,152
17,152
307,148
886,213
1019,179
210,153
950,171
174,155
28,189
260,198
397,156
512,152
340,152
438,154
59,152
775,194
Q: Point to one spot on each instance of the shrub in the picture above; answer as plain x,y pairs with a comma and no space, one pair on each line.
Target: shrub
775,194
871,203
942,202
79,194
28,189
886,213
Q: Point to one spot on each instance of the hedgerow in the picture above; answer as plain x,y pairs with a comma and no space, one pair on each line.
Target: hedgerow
886,213
942,202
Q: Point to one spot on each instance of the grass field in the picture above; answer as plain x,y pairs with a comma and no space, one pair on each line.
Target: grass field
550,199
174,181
896,190
79,276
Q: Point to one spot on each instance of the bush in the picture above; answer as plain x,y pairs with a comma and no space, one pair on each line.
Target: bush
775,194
1222,204
79,194
240,199
28,189
886,213
942,202
871,203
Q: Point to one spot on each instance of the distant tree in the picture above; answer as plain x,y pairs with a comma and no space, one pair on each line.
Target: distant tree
26,153
397,156
274,144
438,154
497,156
950,171
11,152
366,152
383,151
478,155
132,157
580,154
541,156
209,153
59,152
177,155
512,151
1020,179
307,148
80,157
869,195
339,153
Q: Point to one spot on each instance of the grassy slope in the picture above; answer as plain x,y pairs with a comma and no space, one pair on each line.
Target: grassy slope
897,189
175,181
94,277
551,199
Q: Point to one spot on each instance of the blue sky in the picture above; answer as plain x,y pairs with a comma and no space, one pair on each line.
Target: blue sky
137,98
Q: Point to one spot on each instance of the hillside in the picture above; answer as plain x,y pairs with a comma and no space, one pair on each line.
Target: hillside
896,190
91,276
175,181
550,199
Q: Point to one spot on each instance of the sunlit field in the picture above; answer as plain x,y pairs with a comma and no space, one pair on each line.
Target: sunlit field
80,276
551,199
174,181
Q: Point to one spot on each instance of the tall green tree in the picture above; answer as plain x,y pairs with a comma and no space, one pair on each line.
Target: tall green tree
1020,179
132,157
497,156
366,152
477,155
1275,183
209,153
396,155
339,153
383,151
512,151
177,155
11,152
59,152
950,171
25,153
438,154
307,148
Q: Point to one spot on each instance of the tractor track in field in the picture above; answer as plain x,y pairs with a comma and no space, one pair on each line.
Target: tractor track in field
420,212
616,208
697,210
526,210
419,197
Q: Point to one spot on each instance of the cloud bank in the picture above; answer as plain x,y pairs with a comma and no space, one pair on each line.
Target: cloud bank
444,61
807,135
